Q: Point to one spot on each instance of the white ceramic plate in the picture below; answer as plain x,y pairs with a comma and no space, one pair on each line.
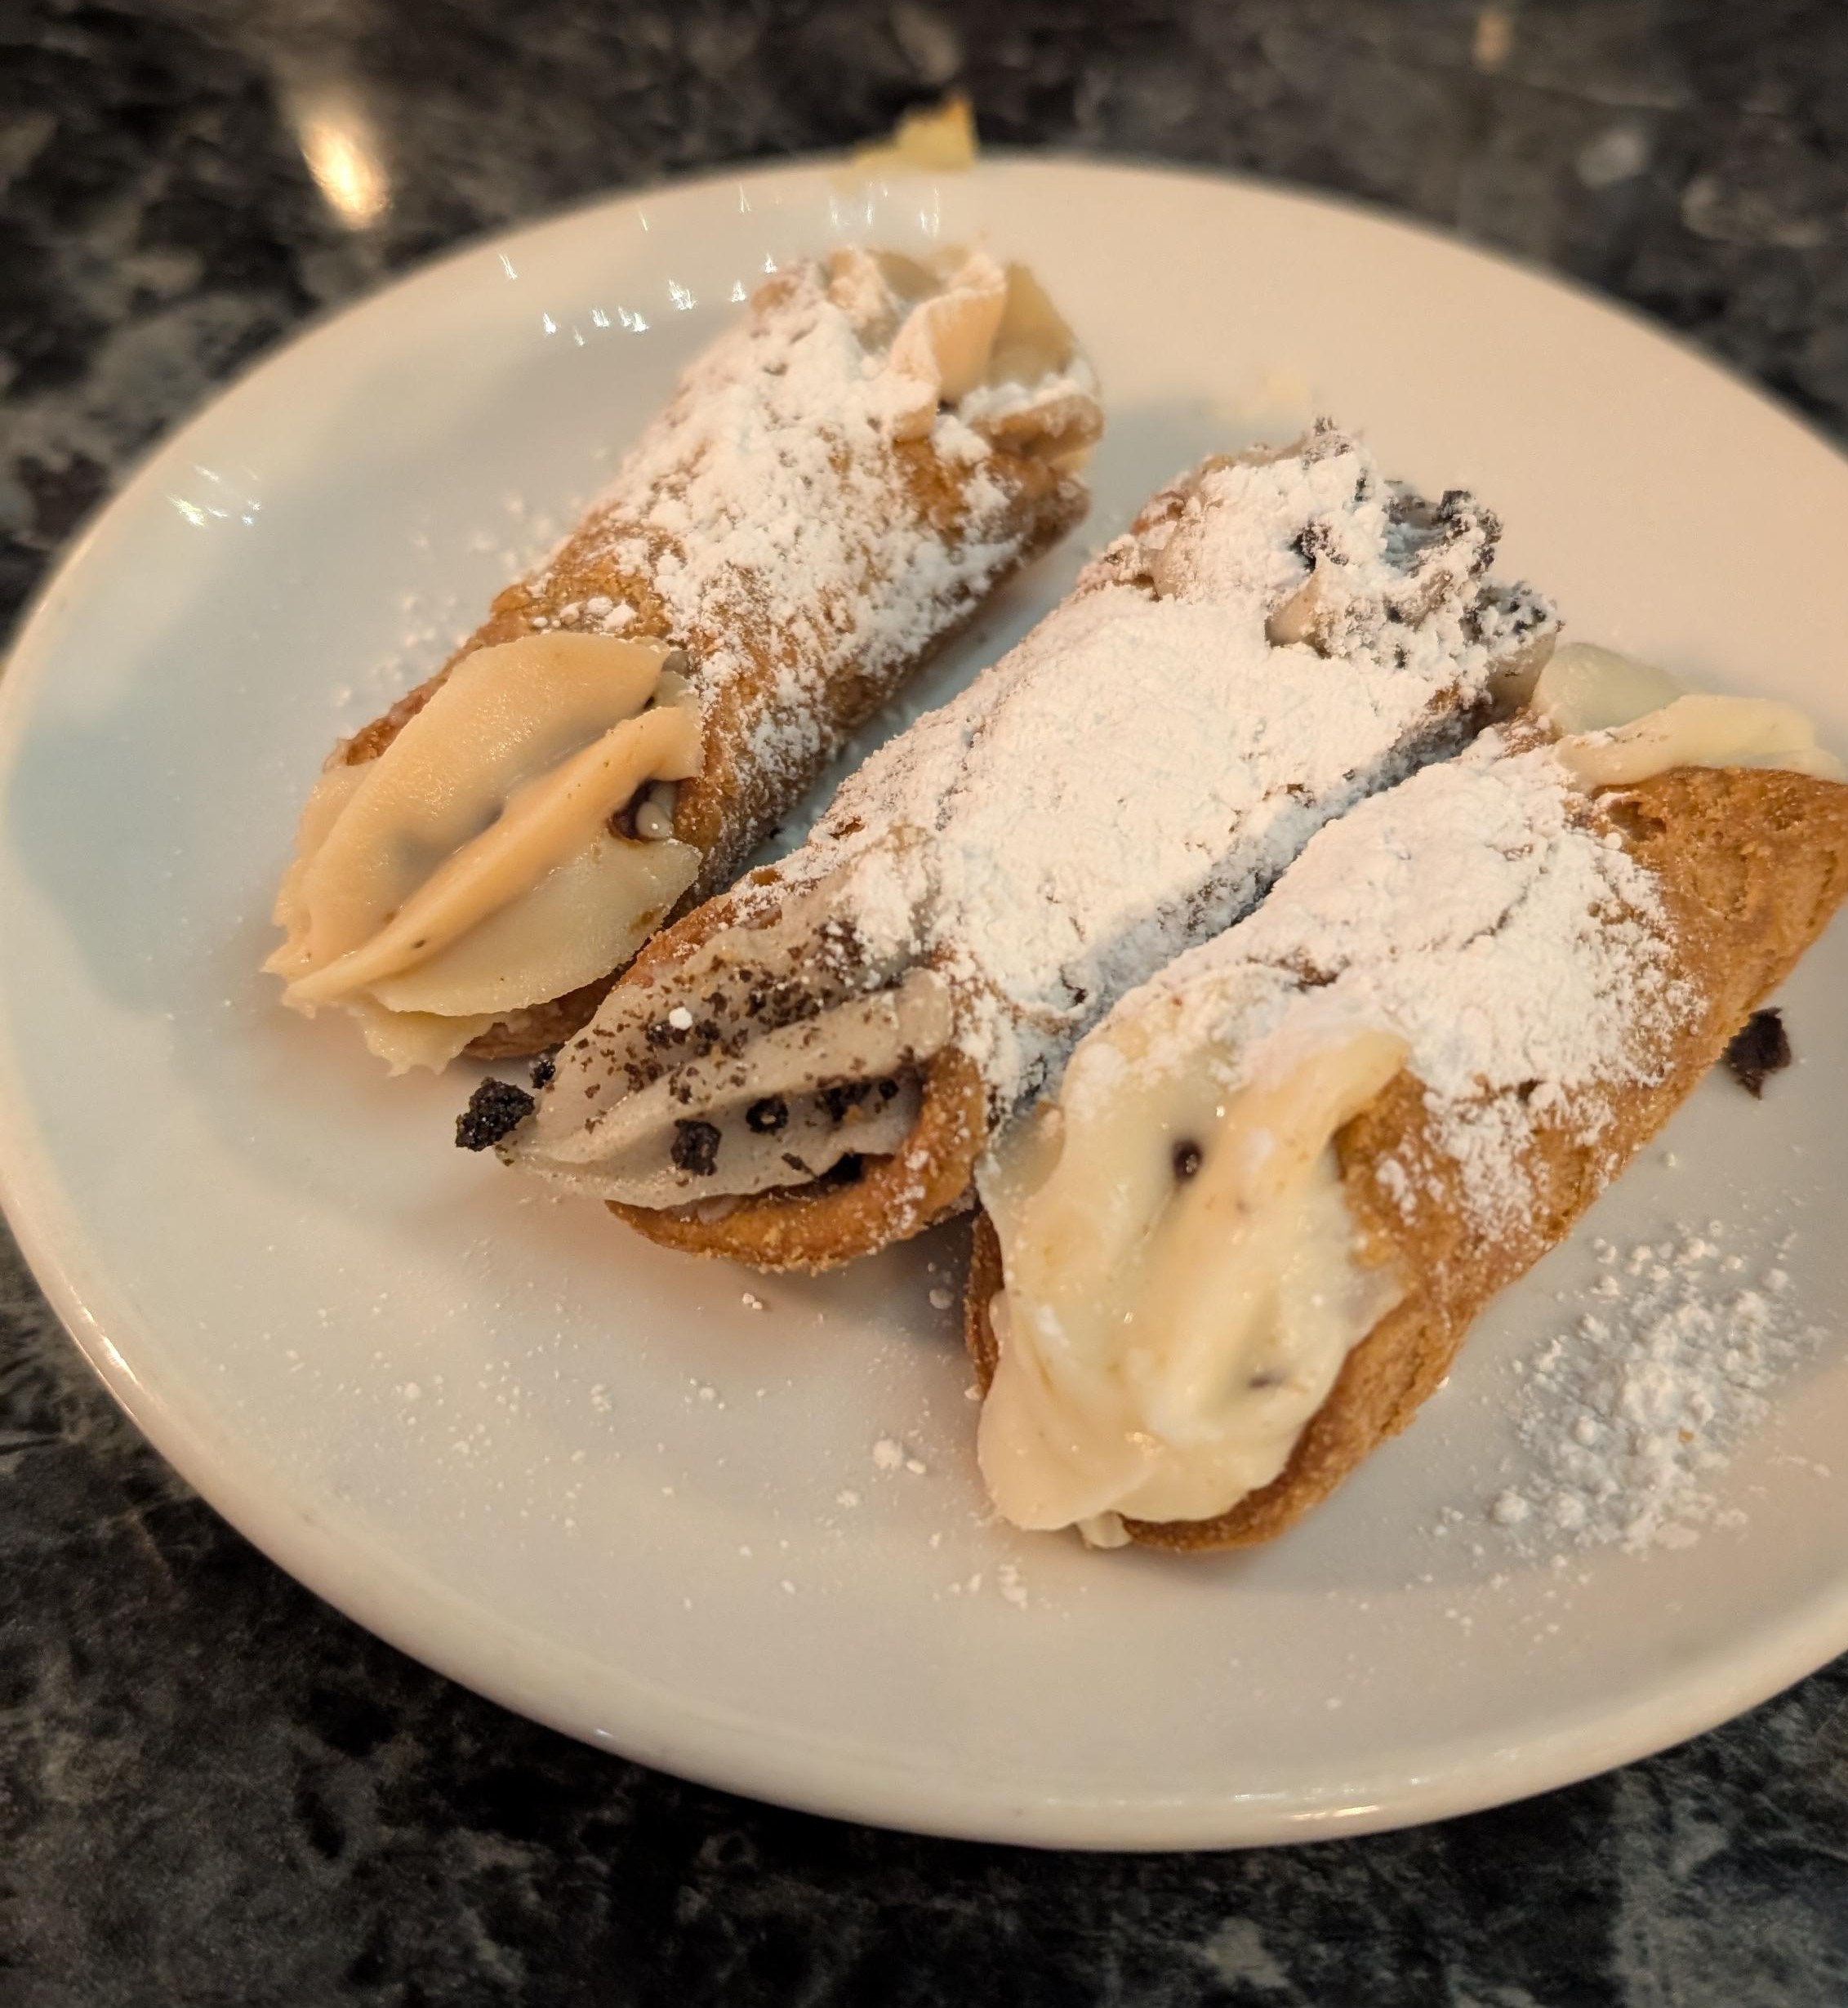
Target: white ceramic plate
638,1497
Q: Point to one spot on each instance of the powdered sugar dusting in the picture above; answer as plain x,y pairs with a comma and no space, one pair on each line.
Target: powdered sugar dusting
773,524
1482,912
1280,635
1631,1416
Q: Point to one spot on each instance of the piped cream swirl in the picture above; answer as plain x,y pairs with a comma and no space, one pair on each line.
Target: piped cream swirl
473,867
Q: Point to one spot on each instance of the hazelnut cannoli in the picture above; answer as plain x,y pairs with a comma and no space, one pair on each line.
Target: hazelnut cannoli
837,485
1283,1177
808,1069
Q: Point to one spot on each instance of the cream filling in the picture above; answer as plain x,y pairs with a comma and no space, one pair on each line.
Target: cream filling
780,1108
1700,730
470,869
1584,689
982,338
767,1054
941,351
1621,721
1183,1278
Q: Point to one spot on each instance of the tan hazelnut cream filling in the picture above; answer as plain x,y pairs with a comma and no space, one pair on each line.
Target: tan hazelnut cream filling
1183,1277
471,869
1621,721
965,331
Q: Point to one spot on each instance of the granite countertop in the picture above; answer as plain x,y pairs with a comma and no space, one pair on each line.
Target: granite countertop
214,1790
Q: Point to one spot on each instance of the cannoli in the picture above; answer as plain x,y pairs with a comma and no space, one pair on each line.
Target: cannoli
1283,1177
809,1068
835,487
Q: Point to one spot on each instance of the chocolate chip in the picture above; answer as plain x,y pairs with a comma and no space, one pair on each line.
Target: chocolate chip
843,1096
496,1108
695,1148
1188,1158
543,1069
765,1118
1759,1049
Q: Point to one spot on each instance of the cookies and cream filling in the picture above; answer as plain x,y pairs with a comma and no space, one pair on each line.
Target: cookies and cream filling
511,845
760,1065
1184,1279
1166,1332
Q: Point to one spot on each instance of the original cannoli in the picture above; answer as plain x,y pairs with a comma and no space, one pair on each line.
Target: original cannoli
836,486
1244,1242
809,1068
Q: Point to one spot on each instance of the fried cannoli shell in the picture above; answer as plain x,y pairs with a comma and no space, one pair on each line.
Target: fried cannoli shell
753,768
726,811
1751,863
728,808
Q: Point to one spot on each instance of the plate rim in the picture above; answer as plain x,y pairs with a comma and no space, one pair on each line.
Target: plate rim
408,1611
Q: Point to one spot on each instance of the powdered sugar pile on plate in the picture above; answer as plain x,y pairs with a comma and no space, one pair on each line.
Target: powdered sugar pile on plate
1631,1416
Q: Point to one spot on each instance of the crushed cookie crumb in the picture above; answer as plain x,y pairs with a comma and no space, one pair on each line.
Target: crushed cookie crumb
695,1148
495,1110
1759,1049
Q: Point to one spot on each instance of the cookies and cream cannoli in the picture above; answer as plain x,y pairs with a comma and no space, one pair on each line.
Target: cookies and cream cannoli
837,485
809,1068
1282,1177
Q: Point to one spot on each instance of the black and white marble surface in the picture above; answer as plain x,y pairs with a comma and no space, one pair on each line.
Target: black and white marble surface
214,1790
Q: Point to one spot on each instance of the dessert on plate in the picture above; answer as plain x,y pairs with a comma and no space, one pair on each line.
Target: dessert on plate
809,1067
1243,1243
838,484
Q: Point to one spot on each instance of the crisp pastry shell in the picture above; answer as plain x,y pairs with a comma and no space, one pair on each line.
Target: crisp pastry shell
1751,863
742,792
